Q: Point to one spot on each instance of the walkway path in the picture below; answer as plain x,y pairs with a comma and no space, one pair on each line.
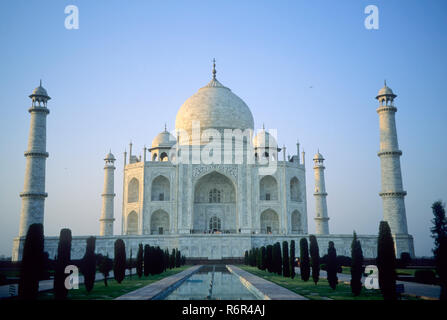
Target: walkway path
153,290
269,290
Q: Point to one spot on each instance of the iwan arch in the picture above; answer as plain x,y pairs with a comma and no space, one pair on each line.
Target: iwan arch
218,209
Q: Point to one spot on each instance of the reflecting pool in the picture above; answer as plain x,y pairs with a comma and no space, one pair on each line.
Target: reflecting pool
212,283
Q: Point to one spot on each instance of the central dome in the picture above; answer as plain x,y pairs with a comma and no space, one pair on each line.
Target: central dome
214,107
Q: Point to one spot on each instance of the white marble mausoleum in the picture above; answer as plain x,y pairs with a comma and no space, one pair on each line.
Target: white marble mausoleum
214,187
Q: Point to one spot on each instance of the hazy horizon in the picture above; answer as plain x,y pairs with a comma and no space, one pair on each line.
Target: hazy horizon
311,70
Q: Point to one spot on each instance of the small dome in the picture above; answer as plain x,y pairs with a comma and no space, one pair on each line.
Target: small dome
318,156
110,157
164,139
264,140
40,91
385,91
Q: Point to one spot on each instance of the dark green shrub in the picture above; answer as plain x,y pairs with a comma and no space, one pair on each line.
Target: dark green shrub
63,260
172,259
147,260
405,260
32,265
263,253
105,265
119,262
140,260
314,258
425,276
439,233
277,258
304,260
386,262
356,266
88,268
332,265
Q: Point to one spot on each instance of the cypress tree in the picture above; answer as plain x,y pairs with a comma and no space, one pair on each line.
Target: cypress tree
105,266
258,258
439,233
146,259
277,259
160,260
89,264
152,260
246,257
269,258
285,259
356,266
386,262
119,262
263,258
332,265
172,259
314,258
32,265
304,260
166,259
177,258
140,256
63,260
292,259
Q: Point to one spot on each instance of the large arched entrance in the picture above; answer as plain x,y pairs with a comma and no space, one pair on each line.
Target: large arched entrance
214,204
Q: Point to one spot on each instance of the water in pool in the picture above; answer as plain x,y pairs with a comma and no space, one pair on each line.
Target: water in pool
212,283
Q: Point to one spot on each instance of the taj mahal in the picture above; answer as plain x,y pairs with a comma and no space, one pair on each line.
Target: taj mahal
214,187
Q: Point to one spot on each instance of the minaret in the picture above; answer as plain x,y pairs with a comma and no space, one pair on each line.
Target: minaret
392,192
33,195
321,216
106,221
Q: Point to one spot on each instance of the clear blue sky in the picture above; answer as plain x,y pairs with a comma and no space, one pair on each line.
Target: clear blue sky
131,65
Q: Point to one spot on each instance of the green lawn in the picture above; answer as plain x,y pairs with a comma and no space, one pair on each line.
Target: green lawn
316,292
114,289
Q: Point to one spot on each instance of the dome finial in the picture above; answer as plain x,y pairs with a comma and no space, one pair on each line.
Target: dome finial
40,84
165,127
384,81
214,69
263,127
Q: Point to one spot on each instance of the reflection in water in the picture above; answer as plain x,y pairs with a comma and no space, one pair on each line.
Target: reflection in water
212,283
